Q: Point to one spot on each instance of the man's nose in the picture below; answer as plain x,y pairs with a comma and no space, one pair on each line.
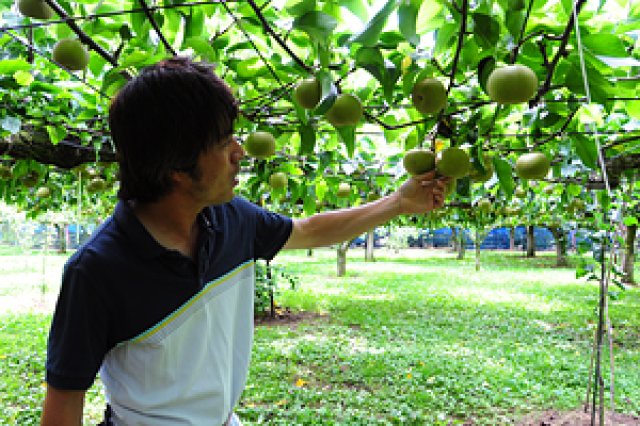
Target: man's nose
238,152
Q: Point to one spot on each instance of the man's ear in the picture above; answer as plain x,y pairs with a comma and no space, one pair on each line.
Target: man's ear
179,178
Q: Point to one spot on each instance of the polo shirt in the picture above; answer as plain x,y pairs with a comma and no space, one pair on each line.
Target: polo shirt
170,336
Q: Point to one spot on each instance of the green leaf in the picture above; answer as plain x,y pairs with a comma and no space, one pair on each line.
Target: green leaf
251,68
328,92
431,16
194,23
357,7
514,22
391,76
619,283
309,202
319,26
599,85
56,134
302,7
10,66
371,59
486,30
307,139
348,137
505,175
23,78
371,33
630,220
485,66
587,151
605,44
444,35
125,32
135,58
573,189
202,47
407,16
324,55
112,82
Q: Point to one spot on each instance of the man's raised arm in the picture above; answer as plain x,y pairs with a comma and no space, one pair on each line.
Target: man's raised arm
420,194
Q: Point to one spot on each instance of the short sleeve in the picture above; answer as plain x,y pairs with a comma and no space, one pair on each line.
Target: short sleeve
78,338
272,230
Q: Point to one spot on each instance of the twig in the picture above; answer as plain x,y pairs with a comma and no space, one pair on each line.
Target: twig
276,37
250,40
516,49
463,30
156,28
46,57
84,38
560,53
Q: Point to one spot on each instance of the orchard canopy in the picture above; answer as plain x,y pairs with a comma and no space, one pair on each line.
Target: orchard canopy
584,114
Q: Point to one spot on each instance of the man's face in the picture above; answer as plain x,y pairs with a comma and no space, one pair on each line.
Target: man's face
218,167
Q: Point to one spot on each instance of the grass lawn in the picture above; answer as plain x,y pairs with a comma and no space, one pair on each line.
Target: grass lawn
415,338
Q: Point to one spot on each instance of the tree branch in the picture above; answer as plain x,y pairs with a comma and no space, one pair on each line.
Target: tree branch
84,38
66,154
276,37
463,30
560,53
156,28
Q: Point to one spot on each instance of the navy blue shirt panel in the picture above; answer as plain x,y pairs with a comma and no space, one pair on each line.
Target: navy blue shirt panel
122,282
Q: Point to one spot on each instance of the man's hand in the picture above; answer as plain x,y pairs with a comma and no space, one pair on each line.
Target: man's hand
422,193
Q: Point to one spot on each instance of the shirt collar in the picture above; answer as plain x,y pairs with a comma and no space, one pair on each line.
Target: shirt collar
138,234
209,219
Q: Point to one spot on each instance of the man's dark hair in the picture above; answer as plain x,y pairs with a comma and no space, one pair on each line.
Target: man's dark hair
163,119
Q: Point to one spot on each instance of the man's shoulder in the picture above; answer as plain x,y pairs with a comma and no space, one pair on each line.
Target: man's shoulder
238,208
106,244
239,202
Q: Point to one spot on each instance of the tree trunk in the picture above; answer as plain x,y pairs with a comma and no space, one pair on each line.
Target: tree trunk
342,258
531,242
62,237
309,252
454,239
512,238
561,246
477,243
629,254
460,242
368,247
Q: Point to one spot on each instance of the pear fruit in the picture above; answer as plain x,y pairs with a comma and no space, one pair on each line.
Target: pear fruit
533,165
307,93
429,96
418,161
71,54
512,84
346,111
453,162
278,180
36,9
260,145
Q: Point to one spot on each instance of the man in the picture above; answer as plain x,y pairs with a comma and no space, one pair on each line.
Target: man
160,299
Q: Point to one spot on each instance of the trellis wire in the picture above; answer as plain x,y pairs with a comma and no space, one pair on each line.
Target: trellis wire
117,13
605,267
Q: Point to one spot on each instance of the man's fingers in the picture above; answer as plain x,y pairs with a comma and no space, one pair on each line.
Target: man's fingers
428,175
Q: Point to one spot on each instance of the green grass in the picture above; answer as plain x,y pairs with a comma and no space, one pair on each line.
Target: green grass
416,338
